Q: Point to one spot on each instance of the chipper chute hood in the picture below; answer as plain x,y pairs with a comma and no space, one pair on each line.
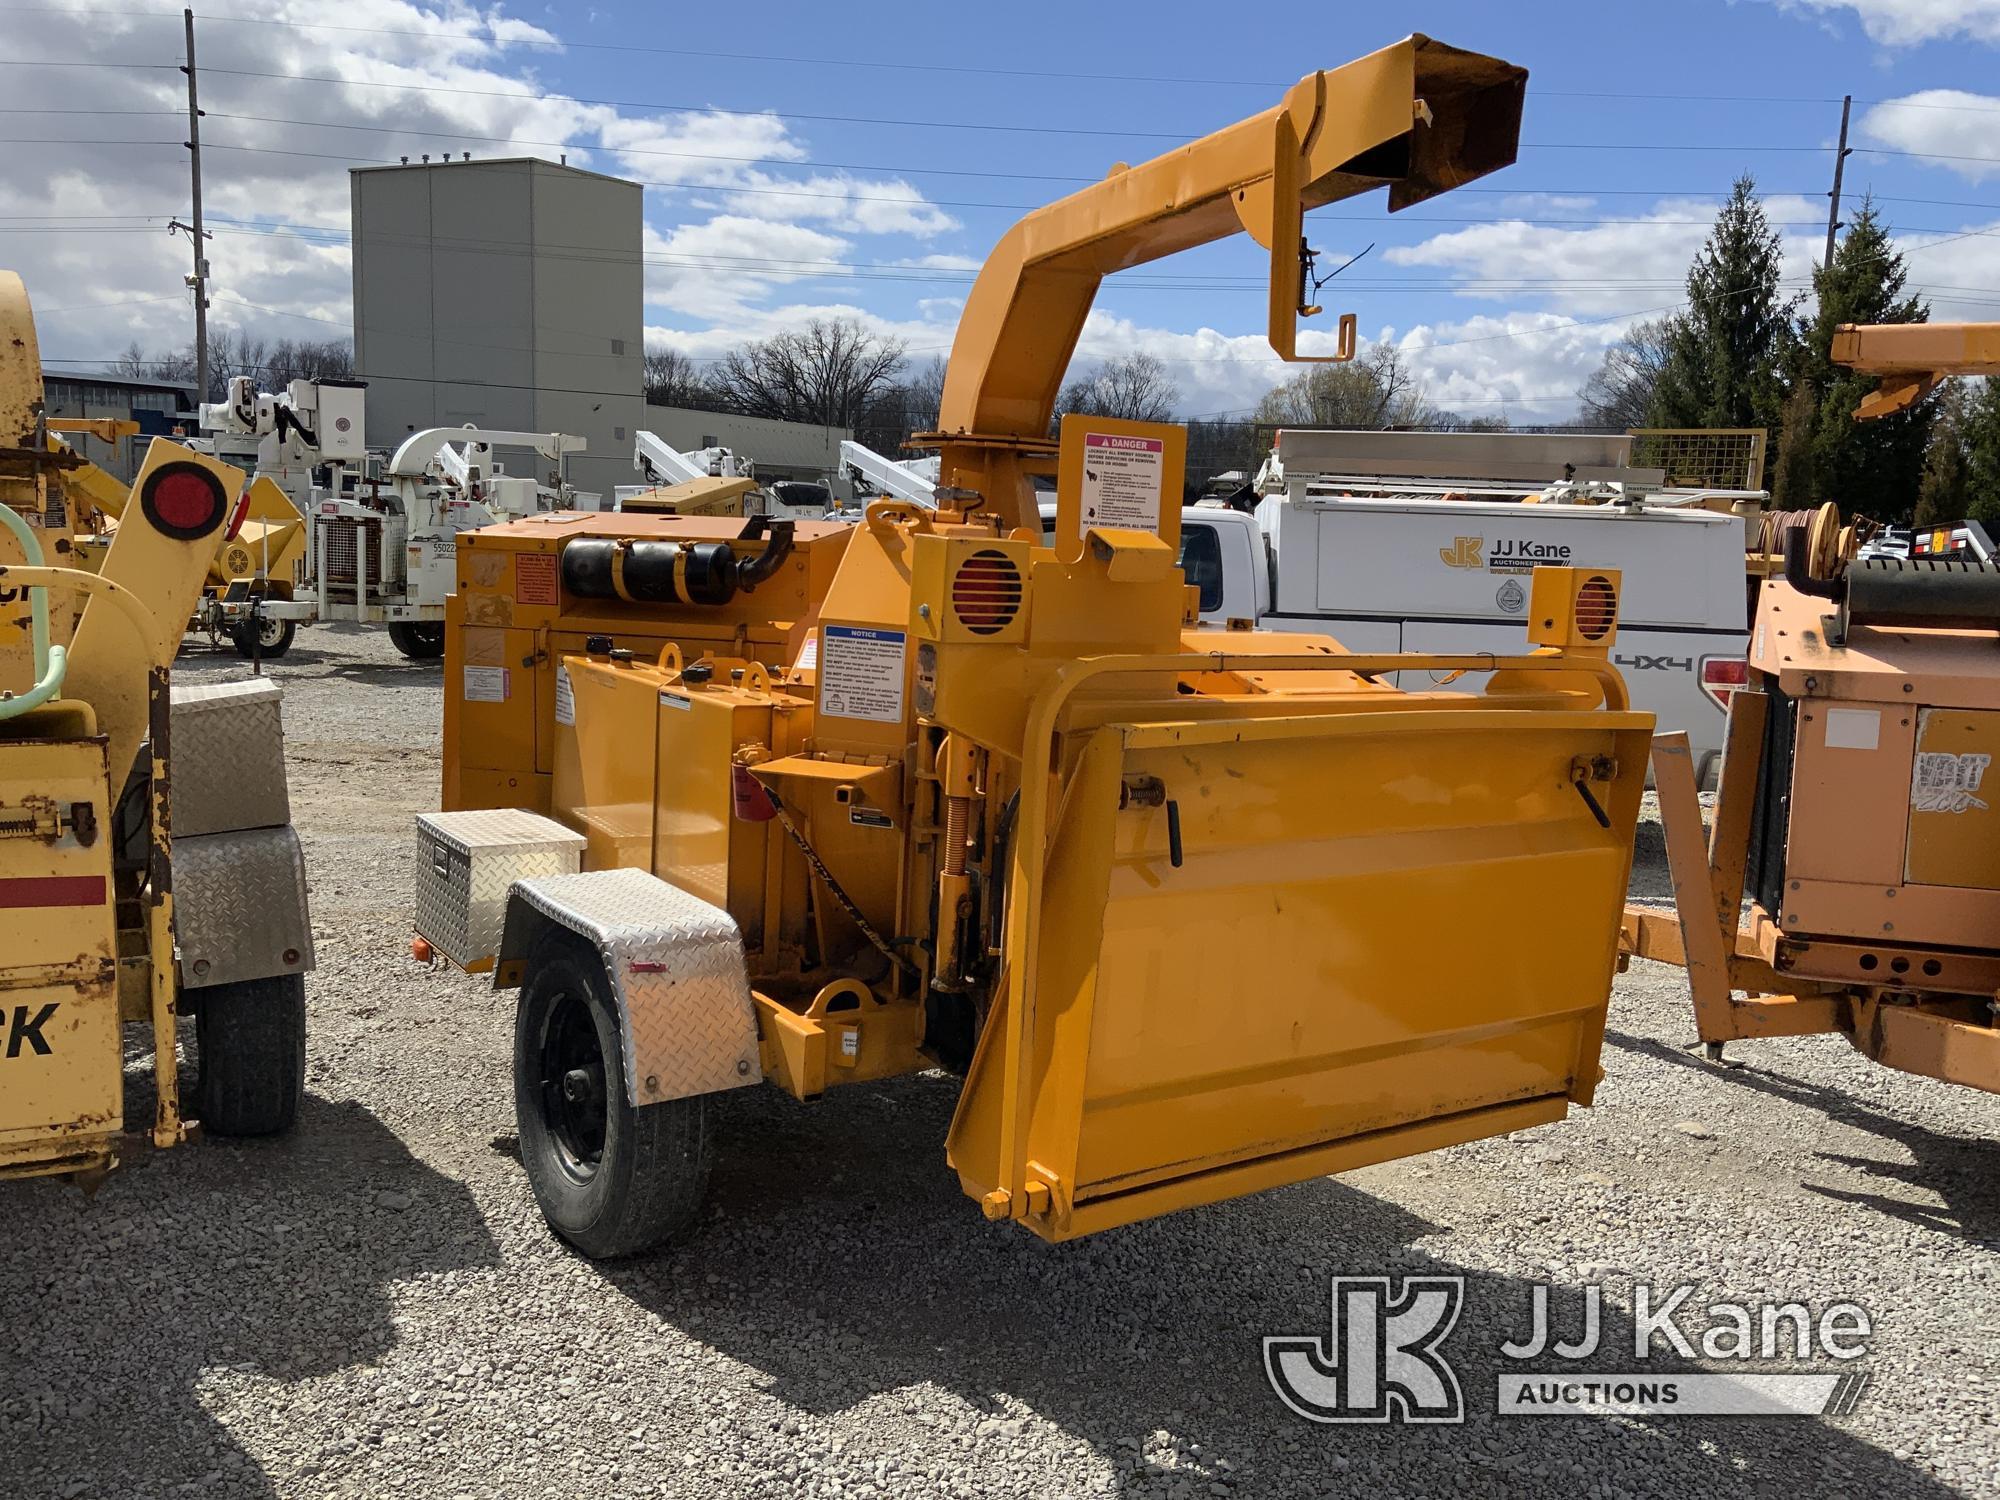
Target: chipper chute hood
1385,931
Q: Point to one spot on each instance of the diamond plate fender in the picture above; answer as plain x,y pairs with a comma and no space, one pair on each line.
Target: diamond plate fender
675,963
240,906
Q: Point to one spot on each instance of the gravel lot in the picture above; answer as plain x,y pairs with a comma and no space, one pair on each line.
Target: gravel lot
372,1306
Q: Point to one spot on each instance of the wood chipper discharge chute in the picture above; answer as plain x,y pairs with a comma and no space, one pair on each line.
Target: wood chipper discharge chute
1193,913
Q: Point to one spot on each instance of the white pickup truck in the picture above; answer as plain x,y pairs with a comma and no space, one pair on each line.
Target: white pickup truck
1403,561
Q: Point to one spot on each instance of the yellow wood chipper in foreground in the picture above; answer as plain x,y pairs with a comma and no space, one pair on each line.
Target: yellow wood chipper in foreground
1194,913
1857,809
124,895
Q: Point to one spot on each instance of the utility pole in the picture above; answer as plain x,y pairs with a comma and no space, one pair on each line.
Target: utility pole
199,281
1839,162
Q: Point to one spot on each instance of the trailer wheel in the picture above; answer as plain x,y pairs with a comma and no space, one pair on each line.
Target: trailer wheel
277,638
612,1179
252,1038
418,642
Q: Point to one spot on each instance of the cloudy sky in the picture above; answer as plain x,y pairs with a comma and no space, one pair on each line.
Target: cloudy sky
805,160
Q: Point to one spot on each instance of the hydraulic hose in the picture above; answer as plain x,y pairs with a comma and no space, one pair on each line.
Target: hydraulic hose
50,662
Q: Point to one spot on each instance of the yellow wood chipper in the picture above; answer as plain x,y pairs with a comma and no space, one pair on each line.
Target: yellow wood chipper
1193,913
127,894
1856,810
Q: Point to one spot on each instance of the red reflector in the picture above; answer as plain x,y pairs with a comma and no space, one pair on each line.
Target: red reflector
986,592
52,890
1596,609
185,500
1723,675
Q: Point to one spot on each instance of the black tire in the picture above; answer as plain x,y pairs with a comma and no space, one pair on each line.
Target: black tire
277,639
612,1180
418,642
252,1038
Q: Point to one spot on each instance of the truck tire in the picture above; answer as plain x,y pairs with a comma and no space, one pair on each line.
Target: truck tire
276,642
612,1179
418,642
252,1039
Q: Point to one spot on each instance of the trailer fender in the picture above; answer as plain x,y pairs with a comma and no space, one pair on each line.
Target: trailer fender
675,963
240,906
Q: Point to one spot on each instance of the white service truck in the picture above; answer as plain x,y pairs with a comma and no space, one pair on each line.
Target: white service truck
381,536
1406,560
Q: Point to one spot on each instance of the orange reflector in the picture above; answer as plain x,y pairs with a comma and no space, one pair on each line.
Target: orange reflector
1596,609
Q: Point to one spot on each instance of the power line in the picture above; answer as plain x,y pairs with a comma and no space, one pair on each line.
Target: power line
492,37
708,110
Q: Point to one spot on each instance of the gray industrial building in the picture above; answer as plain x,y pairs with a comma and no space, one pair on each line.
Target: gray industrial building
502,294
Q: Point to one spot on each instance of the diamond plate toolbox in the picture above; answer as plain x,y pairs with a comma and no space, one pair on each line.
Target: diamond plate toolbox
240,906
228,754
465,863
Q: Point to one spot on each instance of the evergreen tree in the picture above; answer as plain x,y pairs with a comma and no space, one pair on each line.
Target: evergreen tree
1874,468
1794,475
1726,351
1982,455
1943,493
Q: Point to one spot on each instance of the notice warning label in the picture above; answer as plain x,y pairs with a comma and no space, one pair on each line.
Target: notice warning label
486,685
861,673
1122,477
565,696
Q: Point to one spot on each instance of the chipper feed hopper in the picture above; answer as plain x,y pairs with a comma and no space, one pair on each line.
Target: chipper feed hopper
1856,810
1191,914
124,895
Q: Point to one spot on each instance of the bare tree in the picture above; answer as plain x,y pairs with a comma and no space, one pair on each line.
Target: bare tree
231,351
134,363
829,371
306,359
670,378
1135,387
1376,390
924,393
1620,392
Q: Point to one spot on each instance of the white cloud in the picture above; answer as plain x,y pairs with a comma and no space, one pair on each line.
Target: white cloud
1606,268
464,75
1948,123
717,269
1905,23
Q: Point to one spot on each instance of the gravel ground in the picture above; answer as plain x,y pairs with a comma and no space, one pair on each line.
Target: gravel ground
372,1306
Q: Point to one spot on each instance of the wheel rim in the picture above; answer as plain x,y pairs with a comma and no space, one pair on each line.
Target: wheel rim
572,1088
270,632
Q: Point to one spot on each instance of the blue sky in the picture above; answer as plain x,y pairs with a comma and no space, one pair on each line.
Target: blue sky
805,160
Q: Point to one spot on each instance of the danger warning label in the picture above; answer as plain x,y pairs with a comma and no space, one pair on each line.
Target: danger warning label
535,578
1122,477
